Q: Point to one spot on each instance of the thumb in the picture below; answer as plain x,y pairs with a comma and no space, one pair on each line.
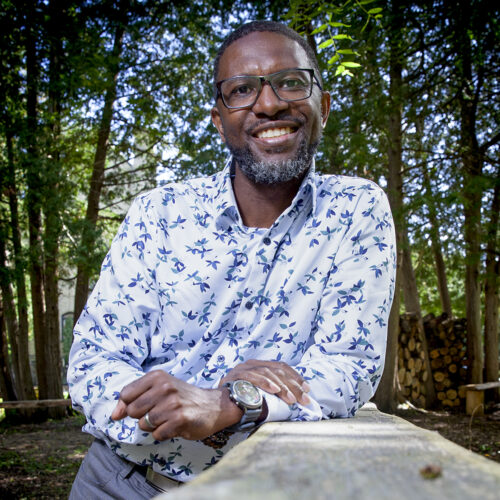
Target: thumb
120,411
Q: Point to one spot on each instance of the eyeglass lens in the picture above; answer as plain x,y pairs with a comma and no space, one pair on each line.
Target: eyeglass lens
289,85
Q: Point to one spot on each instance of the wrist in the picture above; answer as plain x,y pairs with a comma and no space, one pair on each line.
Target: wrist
231,413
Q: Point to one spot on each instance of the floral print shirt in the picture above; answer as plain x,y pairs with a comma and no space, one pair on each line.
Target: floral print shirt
188,289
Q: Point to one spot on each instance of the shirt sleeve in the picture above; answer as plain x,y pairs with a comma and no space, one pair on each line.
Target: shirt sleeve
344,362
113,335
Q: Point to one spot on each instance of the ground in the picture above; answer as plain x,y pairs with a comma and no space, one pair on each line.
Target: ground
40,461
478,434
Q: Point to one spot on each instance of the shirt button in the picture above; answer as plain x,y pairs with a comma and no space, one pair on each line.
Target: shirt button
249,305
267,241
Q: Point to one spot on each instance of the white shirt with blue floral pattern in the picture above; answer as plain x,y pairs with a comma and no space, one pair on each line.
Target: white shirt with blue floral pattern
188,289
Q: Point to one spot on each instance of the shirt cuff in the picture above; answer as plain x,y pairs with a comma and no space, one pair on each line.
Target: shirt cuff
277,409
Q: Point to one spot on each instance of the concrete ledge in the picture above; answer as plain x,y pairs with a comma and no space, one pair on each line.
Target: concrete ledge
372,456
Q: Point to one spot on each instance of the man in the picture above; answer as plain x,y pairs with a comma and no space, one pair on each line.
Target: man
261,293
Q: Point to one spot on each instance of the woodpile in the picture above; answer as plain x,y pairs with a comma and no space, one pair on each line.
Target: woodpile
412,372
447,351
446,345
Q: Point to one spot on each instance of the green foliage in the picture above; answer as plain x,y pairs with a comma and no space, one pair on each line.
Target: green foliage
356,137
335,23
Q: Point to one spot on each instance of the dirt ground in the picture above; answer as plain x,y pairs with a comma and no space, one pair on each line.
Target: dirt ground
478,434
40,461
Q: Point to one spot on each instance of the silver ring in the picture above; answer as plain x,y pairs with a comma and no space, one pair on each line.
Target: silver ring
148,422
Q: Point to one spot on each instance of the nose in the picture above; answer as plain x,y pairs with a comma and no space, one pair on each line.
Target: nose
268,103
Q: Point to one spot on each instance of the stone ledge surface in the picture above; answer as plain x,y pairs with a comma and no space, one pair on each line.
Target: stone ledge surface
372,456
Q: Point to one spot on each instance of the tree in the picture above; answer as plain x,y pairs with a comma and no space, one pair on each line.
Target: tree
83,272
10,220
473,38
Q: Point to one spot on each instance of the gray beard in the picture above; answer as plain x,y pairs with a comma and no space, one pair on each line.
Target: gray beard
274,172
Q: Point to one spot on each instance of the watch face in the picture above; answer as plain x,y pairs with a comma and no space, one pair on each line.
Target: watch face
247,393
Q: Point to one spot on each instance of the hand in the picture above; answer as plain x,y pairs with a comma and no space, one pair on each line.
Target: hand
274,377
176,408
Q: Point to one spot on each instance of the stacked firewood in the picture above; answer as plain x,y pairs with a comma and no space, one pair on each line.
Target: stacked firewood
447,352
412,372
446,348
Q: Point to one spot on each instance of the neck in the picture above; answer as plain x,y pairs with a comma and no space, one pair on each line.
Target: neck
261,204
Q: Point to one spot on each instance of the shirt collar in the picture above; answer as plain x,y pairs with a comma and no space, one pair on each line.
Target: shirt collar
227,208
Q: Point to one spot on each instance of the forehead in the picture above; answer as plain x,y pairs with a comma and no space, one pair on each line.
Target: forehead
261,53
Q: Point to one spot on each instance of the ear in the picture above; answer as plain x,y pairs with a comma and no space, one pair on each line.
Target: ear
217,121
325,108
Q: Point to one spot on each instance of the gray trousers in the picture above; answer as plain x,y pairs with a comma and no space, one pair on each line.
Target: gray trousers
103,475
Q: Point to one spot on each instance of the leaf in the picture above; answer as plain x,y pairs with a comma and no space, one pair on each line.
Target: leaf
340,69
320,29
376,10
325,44
335,24
341,37
334,59
350,64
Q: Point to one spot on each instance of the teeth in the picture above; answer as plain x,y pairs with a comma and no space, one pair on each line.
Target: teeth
274,132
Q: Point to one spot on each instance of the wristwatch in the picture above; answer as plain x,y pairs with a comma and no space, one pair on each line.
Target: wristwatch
247,397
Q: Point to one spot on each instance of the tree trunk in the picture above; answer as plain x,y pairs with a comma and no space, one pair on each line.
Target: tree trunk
6,384
386,397
33,203
53,228
23,370
491,295
408,280
412,305
10,319
442,280
472,191
97,180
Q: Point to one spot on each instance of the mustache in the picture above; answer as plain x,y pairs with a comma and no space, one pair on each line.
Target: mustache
279,117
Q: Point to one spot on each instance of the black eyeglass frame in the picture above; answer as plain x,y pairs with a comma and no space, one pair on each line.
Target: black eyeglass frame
267,78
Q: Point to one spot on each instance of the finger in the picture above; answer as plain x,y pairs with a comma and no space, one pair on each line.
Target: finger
274,377
285,378
120,410
148,426
265,379
300,390
293,385
286,394
133,390
167,430
284,370
255,377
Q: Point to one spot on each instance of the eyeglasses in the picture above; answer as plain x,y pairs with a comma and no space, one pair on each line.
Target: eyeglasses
289,85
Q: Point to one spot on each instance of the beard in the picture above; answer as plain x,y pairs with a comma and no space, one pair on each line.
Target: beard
274,172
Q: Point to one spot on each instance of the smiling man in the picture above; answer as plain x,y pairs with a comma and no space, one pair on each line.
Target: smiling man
259,294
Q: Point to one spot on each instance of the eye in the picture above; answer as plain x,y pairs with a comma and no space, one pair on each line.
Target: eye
294,81
291,83
242,90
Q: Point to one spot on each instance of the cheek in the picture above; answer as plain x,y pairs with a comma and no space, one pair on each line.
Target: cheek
233,129
315,119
